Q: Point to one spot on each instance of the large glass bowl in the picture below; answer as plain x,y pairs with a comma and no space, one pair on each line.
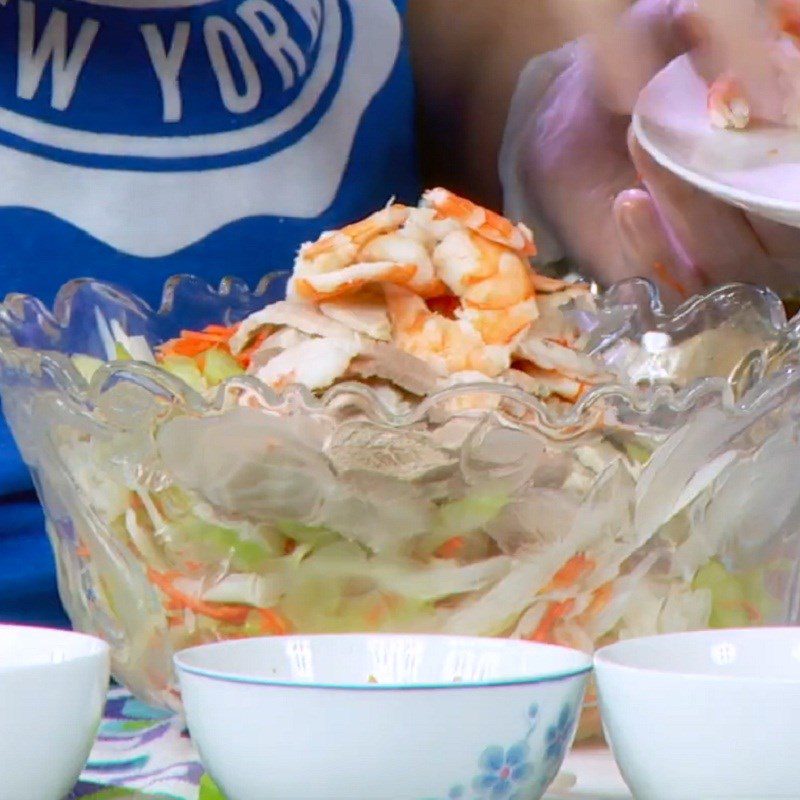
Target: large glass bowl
665,502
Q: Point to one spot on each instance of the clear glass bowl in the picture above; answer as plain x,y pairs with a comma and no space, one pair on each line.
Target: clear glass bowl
666,502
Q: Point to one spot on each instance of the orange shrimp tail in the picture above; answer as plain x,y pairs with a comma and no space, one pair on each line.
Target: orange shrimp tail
787,16
487,223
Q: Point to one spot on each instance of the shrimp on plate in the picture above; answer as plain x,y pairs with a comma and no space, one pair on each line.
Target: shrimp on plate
731,106
728,105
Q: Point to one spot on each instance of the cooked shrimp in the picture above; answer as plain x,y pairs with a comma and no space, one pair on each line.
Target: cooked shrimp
448,345
351,280
484,274
503,326
316,363
337,249
486,223
509,287
425,225
728,105
787,17
400,248
460,263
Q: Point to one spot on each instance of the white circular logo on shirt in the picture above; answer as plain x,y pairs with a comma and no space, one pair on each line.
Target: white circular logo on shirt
144,109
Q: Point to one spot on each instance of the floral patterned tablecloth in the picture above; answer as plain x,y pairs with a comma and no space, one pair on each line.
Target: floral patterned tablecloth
140,752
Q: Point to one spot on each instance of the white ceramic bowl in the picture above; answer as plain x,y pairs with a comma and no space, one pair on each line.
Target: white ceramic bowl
705,716
52,689
379,716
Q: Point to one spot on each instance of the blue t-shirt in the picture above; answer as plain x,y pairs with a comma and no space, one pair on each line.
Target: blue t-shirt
144,138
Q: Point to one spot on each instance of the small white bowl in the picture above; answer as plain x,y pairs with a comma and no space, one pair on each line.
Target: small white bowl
376,716
52,690
705,716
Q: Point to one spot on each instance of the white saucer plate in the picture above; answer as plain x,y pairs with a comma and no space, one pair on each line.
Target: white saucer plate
757,170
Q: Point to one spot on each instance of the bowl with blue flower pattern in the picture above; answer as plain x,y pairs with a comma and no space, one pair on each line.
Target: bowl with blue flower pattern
406,717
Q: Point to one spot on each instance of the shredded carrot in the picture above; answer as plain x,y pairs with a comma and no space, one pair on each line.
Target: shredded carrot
227,332
204,336
234,614
244,357
451,548
393,602
385,605
183,347
82,551
752,611
376,614
193,343
272,622
788,18
666,277
601,597
554,613
753,614
578,566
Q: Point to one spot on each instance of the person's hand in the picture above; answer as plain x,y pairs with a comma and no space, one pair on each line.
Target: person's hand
614,210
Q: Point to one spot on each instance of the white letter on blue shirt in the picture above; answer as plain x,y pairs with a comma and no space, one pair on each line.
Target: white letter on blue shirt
213,30
278,45
311,13
32,58
167,65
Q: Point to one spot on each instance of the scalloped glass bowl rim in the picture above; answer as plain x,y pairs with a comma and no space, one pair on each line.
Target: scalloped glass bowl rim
642,402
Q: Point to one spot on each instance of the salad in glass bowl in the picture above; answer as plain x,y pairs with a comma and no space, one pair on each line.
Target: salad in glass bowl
413,431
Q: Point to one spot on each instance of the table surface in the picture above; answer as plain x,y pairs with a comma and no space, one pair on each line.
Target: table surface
597,776
147,754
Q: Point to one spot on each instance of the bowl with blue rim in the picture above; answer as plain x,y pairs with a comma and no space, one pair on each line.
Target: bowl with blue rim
418,717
